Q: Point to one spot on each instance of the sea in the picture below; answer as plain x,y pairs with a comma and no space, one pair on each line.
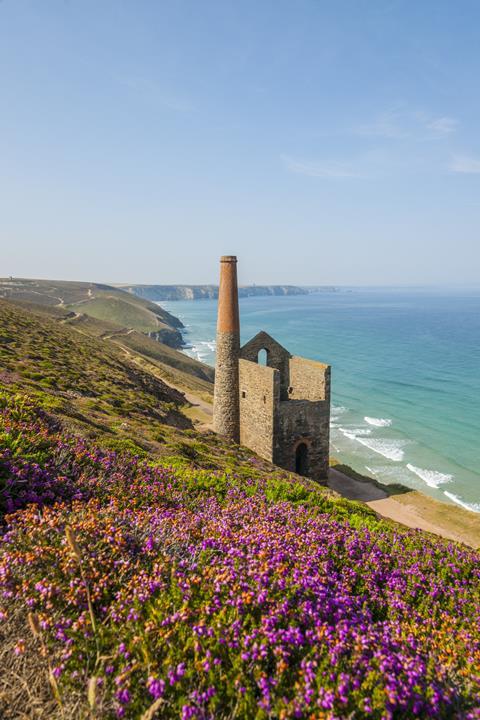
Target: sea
405,376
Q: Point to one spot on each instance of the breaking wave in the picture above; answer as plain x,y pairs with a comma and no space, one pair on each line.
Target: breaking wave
390,449
433,478
336,411
473,507
378,422
354,432
201,350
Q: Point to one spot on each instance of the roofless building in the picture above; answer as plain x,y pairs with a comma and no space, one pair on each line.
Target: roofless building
279,409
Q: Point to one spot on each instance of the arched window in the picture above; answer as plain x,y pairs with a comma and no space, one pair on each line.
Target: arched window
262,357
301,459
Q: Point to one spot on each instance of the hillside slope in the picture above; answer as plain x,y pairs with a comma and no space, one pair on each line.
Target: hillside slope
102,389
148,571
79,376
99,301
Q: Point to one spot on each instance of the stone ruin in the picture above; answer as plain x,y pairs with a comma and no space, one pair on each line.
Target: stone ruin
280,409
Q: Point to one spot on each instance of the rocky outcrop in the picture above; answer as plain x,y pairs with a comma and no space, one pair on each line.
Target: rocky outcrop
172,338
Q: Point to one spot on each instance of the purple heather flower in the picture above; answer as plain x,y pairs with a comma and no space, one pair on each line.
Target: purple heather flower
156,687
123,696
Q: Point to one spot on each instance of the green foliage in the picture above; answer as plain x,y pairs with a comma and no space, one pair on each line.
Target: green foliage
45,355
125,445
179,536
260,596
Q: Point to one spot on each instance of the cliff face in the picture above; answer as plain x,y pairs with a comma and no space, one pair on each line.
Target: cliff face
207,292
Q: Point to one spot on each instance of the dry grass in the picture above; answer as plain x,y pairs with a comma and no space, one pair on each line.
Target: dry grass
25,691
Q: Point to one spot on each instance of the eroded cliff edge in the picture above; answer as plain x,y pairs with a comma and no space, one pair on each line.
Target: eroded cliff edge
210,292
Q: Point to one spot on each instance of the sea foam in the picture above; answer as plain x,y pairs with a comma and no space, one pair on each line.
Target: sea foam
336,411
473,507
350,432
433,478
378,422
210,344
388,448
201,350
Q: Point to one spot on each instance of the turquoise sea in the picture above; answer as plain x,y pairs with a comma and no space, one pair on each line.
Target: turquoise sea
405,376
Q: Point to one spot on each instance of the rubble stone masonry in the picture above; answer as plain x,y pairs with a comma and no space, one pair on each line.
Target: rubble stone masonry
226,415
280,410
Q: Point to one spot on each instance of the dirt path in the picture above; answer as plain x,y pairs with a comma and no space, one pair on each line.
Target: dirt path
118,333
204,406
200,411
71,317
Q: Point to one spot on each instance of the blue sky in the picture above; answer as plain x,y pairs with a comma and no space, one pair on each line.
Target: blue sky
322,142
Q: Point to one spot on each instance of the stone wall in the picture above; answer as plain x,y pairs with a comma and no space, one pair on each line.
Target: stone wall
226,414
303,421
277,357
259,399
225,398
309,380
284,404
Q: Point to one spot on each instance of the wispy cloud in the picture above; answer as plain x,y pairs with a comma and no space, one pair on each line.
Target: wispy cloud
443,125
386,125
465,164
331,170
402,124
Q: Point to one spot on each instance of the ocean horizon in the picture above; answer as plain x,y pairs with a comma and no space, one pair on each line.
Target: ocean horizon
405,375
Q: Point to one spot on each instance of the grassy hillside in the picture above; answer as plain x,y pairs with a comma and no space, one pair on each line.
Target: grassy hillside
78,376
99,390
172,365
118,317
147,571
99,301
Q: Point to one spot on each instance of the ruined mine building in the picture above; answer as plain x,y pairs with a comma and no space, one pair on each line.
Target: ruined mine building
280,409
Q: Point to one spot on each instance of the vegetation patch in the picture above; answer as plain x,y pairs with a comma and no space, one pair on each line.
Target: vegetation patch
147,571
139,590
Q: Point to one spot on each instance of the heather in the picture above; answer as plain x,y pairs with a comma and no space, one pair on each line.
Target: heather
139,589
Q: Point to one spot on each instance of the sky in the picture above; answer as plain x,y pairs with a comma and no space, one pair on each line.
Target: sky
323,142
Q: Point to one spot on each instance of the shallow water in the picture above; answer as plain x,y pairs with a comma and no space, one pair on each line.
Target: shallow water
405,376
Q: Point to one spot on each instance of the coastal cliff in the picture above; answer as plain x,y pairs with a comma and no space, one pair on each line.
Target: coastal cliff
207,292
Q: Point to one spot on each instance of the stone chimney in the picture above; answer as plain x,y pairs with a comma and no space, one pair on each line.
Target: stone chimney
226,411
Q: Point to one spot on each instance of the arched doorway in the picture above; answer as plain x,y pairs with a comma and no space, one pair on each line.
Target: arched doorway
301,459
262,357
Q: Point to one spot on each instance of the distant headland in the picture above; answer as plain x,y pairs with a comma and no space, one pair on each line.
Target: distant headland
210,292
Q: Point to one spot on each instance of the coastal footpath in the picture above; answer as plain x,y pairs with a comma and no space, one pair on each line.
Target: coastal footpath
121,312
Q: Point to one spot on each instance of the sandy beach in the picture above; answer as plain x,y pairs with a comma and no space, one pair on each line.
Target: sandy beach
410,508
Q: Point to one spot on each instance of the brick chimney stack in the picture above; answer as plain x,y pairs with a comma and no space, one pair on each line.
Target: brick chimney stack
226,412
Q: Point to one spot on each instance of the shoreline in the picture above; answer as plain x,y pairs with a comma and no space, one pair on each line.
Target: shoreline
406,506
366,443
